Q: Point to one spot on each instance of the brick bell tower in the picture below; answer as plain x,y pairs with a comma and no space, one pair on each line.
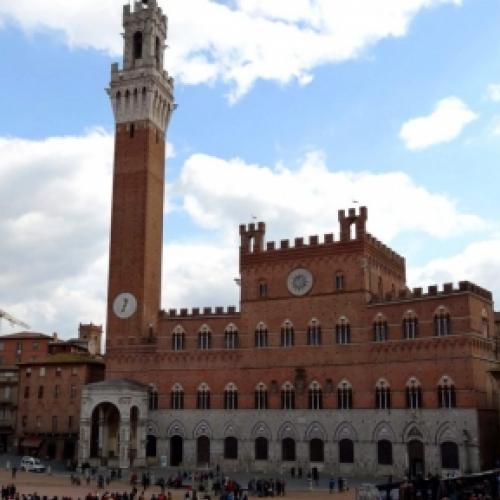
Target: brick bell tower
142,99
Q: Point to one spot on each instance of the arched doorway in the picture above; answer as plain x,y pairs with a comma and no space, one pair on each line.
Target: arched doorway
150,446
176,450
316,450
105,432
416,461
288,450
134,422
203,450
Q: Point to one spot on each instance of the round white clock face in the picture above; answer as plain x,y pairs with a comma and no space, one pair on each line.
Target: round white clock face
124,305
299,281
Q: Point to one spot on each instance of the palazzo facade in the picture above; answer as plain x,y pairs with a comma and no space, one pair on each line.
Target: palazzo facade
330,362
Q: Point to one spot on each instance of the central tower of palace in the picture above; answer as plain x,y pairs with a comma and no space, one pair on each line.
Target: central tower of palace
141,95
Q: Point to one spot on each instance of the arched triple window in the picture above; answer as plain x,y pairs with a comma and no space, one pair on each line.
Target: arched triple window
178,338
413,394
380,329
344,395
231,397
231,337
442,323
410,325
287,396
382,395
343,331
152,398
261,397
287,334
204,338
446,393
384,452
261,335
314,333
177,397
203,397
346,451
315,396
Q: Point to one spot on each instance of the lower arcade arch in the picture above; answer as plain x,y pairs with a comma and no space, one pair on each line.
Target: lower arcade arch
105,431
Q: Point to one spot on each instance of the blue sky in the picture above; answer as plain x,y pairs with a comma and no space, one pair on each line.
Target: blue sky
392,103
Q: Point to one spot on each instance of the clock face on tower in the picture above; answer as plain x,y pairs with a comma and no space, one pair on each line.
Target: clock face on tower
299,281
124,305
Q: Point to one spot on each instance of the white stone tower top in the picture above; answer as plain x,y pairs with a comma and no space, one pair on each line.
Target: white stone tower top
142,90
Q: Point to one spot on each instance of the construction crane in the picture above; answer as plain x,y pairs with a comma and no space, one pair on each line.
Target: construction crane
12,320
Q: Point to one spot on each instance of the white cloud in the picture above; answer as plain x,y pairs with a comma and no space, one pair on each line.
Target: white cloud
219,194
252,39
444,124
479,262
494,92
55,211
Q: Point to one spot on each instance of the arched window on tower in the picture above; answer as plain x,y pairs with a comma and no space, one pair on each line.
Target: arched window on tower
380,329
287,396
287,334
231,337
446,393
178,337
261,396
203,397
344,395
343,331
204,338
413,394
231,397
410,325
315,396
442,322
137,45
152,397
314,333
382,395
177,397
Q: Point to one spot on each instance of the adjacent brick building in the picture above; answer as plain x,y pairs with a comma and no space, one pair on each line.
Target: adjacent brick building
331,362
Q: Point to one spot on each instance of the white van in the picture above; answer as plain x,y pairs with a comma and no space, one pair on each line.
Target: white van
31,464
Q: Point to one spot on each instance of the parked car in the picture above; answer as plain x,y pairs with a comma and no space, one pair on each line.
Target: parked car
31,464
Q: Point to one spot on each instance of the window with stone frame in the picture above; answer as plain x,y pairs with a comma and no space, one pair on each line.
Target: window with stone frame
203,397
343,331
231,397
178,339
446,393
315,396
204,338
380,329
152,398
382,395
261,397
344,395
261,335
287,396
231,338
314,333
410,325
287,334
177,397
414,400
442,322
